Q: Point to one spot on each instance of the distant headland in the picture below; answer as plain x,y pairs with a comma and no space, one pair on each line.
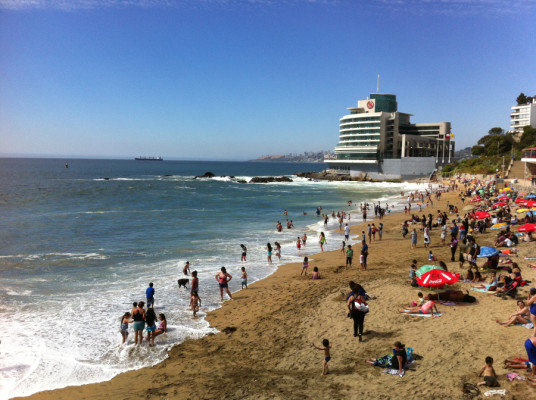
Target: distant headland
306,157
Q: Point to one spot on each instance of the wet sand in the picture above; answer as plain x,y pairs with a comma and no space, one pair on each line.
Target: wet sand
269,355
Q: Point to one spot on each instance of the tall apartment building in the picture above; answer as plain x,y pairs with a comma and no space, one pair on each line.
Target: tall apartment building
523,115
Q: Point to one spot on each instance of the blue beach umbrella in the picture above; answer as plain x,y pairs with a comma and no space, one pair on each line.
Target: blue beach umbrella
488,251
531,196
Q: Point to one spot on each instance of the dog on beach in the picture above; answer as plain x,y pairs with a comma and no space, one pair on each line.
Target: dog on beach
183,282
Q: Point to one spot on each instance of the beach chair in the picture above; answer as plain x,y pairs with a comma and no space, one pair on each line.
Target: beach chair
510,289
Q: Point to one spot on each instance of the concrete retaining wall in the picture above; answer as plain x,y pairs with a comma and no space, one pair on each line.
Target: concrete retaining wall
402,168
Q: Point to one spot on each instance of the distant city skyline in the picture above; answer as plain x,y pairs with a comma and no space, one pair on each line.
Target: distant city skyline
237,79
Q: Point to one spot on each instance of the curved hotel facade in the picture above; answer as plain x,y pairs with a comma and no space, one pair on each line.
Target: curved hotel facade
378,140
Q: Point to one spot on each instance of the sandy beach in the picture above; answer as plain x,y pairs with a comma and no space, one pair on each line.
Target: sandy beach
268,355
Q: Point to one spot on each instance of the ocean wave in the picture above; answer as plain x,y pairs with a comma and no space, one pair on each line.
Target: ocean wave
44,256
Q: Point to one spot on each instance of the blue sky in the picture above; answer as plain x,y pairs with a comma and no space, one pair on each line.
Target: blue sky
236,79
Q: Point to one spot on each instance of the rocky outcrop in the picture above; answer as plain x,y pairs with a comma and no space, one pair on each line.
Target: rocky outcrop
205,175
327,176
269,179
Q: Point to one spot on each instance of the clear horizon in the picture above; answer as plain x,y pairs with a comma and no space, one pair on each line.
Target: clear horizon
238,79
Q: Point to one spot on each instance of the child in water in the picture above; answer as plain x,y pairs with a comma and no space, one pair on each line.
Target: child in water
162,326
195,303
125,320
305,266
244,278
327,356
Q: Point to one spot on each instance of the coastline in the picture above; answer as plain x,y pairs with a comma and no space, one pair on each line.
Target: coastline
269,354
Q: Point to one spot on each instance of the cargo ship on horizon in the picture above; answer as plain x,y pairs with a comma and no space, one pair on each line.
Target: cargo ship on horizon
149,158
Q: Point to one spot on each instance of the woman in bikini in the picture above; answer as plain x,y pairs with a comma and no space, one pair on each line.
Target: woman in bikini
223,279
521,316
426,308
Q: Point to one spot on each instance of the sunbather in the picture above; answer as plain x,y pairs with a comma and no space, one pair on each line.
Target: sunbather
491,285
426,308
521,316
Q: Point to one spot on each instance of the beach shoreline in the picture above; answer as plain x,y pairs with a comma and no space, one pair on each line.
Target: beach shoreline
269,354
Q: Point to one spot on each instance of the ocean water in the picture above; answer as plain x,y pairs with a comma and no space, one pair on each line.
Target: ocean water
78,245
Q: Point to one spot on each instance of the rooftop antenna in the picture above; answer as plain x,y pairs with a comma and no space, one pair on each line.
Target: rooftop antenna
378,85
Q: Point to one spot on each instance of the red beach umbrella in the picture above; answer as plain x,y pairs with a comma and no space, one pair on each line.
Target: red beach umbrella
503,197
482,215
500,204
529,203
527,228
437,278
475,200
520,200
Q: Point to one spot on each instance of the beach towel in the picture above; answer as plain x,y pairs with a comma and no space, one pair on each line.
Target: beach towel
394,372
490,393
482,290
436,315
530,325
453,303
512,375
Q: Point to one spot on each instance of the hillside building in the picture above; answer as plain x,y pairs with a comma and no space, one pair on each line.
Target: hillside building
523,115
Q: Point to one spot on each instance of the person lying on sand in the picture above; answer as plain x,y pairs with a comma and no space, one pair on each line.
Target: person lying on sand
426,308
518,363
491,285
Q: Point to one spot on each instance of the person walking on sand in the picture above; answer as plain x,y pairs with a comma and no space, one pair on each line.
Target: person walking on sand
349,255
346,232
223,279
380,230
327,355
322,241
357,308
305,266
364,252
244,252
426,236
369,233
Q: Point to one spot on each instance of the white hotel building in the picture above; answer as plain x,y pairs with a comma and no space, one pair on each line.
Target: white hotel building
378,140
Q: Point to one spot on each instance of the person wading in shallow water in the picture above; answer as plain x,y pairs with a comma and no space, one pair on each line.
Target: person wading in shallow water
223,279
